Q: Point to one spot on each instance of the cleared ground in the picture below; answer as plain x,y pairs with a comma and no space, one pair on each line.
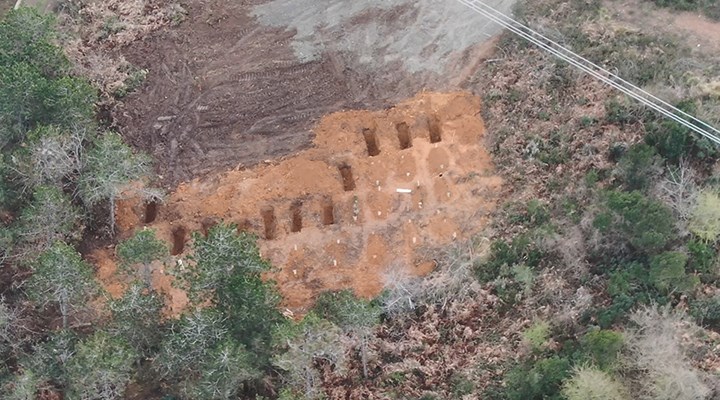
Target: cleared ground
240,82
375,192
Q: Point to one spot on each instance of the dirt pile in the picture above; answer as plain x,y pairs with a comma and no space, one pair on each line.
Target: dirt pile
375,191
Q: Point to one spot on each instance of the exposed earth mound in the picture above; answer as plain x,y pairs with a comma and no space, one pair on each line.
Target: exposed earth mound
375,192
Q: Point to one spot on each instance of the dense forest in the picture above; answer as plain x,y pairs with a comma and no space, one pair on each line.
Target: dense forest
598,279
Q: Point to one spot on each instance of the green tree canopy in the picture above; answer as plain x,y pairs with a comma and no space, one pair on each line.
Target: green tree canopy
110,166
61,277
49,218
142,249
100,368
137,318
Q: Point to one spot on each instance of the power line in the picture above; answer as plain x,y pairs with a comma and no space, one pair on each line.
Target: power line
595,70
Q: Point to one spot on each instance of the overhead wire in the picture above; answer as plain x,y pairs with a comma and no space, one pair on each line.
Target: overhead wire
594,70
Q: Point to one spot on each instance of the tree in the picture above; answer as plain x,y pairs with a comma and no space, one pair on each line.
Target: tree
49,218
137,318
656,351
220,254
142,249
667,273
222,373
49,359
189,341
22,386
34,84
202,361
60,276
101,368
110,166
357,317
538,381
646,224
28,36
302,345
49,156
638,166
227,273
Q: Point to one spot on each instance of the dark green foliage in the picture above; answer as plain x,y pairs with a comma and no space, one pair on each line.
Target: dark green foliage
109,166
707,311
220,254
711,8
62,278
521,250
35,87
674,141
49,358
667,273
251,308
27,36
628,285
646,224
142,249
539,381
100,368
50,217
601,347
532,214
347,311
227,272
637,166
137,318
461,385
554,149
358,317
702,257
199,359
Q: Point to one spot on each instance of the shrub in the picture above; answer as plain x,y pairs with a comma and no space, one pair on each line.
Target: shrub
537,335
101,368
588,383
646,224
637,167
540,381
667,273
707,311
602,347
521,250
702,257
705,218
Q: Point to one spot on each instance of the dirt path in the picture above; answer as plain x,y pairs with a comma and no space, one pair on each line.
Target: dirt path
241,82
331,217
700,33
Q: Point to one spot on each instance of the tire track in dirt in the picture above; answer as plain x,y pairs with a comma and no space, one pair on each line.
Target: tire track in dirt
224,90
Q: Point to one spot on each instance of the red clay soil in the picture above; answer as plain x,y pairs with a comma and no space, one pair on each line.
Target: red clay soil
334,217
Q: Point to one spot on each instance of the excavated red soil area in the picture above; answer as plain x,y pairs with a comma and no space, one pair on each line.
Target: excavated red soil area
376,190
